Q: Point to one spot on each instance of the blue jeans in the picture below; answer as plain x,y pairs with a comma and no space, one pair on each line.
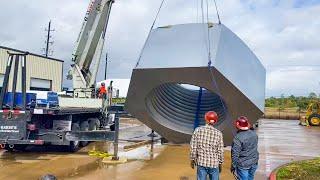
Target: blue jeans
203,172
247,174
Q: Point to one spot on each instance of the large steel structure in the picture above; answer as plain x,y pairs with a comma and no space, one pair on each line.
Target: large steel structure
233,82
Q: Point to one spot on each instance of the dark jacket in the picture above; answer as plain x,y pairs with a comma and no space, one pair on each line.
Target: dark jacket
244,150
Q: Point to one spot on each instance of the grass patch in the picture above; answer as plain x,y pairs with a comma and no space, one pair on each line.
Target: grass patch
302,170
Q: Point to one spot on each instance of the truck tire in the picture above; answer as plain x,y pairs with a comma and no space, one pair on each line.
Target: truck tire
314,119
74,145
6,147
113,127
17,147
84,126
94,124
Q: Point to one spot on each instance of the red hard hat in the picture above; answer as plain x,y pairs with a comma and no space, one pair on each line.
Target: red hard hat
211,117
242,123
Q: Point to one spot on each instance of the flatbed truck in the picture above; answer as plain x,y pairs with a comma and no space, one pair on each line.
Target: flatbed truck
72,127
75,120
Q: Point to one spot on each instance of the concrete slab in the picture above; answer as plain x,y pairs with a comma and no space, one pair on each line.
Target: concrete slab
284,141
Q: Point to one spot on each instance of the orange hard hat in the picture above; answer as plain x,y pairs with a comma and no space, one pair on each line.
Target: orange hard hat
242,123
211,117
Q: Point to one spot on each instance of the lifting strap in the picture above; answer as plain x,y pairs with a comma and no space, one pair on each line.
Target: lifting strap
197,120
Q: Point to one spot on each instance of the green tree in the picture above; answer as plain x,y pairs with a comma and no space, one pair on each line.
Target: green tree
313,95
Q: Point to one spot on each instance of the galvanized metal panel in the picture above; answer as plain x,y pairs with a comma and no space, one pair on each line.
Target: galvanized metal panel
241,66
184,45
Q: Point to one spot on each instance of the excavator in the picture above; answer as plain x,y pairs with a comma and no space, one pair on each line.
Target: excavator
312,117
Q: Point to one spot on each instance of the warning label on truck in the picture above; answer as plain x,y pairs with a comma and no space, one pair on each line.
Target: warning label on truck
9,129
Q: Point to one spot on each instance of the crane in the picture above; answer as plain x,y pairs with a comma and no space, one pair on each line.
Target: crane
89,47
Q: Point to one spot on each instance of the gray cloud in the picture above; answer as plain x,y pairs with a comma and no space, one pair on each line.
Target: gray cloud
279,32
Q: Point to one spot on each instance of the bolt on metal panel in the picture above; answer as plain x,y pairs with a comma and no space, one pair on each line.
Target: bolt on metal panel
233,85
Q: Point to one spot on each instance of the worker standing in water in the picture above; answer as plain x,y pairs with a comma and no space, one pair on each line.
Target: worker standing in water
244,152
207,149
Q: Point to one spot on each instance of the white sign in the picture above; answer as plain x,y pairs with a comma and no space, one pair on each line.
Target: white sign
38,111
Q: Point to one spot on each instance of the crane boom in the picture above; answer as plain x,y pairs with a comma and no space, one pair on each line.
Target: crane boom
90,44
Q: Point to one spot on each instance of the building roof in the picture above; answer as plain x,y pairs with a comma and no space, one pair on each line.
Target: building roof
20,51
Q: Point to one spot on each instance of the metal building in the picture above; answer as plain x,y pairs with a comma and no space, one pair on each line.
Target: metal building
43,73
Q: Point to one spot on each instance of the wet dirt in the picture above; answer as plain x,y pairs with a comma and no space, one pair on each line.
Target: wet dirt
279,142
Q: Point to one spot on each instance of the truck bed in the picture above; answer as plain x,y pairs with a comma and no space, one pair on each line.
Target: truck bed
65,102
72,106
65,110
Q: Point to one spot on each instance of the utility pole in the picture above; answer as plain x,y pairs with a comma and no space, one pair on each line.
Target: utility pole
48,42
106,68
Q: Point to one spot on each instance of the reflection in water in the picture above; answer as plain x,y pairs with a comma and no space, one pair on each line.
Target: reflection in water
65,165
151,150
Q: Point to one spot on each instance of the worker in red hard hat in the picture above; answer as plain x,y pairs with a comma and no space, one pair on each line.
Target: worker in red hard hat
103,91
244,151
207,149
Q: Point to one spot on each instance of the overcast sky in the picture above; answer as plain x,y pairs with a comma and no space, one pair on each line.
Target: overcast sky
284,34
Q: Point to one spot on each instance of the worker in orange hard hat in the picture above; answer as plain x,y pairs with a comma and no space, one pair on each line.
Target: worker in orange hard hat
103,91
244,151
207,148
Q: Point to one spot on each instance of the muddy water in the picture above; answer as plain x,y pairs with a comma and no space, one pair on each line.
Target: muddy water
34,165
171,163
280,142
159,162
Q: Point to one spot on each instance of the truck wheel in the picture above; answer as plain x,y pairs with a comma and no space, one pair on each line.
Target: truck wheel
17,147
74,145
314,120
6,147
113,127
84,126
94,124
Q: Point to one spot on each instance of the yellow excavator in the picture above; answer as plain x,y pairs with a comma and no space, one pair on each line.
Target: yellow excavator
312,117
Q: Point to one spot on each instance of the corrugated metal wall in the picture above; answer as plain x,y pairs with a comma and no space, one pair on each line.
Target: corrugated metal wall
37,67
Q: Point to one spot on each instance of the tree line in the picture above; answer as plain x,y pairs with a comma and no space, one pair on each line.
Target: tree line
292,101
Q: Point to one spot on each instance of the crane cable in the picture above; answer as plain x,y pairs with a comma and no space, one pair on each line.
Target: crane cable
152,26
218,15
210,67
